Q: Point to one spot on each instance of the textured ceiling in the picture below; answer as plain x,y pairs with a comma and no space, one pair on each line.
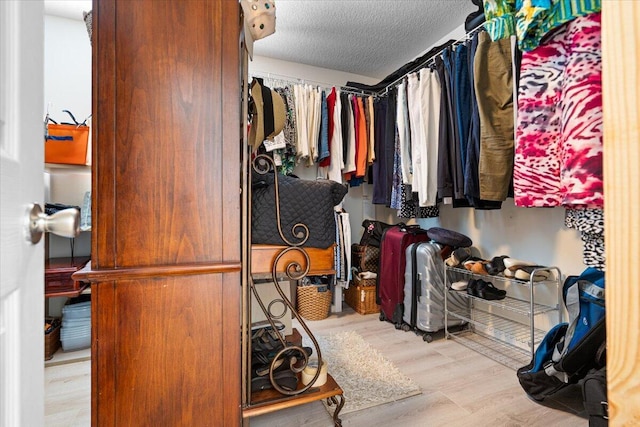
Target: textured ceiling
372,38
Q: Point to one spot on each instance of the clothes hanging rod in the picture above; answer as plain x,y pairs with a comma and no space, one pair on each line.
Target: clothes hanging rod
281,78
468,35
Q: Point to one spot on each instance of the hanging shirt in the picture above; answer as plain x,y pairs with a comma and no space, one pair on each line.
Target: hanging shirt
371,152
350,142
362,144
323,137
336,165
404,133
531,20
331,103
301,107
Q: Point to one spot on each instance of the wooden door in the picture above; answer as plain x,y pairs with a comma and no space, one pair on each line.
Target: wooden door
166,257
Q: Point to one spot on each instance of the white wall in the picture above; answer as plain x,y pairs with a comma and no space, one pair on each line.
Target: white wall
67,75
67,86
535,234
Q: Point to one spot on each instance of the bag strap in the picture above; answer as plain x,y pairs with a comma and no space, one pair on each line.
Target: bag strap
75,122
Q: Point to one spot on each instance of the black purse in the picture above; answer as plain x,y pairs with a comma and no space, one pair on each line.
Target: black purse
373,231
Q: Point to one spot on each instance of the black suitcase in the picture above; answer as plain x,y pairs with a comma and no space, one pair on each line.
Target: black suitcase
594,396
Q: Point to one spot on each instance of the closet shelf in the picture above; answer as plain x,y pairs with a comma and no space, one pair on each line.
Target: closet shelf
500,278
502,328
509,323
515,305
510,356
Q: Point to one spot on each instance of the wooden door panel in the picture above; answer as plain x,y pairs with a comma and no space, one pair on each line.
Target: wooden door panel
167,340
176,113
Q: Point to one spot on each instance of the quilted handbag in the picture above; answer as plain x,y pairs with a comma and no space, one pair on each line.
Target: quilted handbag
301,201
365,257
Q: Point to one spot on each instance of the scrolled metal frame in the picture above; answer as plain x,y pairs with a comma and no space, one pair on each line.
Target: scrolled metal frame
263,164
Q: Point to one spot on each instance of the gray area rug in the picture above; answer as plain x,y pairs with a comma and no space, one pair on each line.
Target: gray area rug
365,376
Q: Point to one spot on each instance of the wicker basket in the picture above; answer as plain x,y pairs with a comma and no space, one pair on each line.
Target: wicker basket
52,339
361,296
314,301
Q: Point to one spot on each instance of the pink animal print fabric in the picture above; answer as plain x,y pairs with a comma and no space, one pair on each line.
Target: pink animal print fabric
558,155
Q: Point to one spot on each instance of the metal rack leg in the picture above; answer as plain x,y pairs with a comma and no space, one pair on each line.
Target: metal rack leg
333,400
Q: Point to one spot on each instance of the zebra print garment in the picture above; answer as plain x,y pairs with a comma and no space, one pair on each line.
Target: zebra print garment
558,155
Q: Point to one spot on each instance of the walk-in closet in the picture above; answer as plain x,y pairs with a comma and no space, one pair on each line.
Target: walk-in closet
351,213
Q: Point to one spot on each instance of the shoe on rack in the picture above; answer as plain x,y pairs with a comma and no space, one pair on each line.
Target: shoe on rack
512,262
476,267
472,287
486,290
458,256
460,285
525,272
496,265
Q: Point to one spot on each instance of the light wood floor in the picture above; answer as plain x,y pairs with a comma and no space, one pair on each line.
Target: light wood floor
459,387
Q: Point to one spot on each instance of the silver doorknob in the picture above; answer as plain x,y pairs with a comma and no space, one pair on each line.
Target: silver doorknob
64,223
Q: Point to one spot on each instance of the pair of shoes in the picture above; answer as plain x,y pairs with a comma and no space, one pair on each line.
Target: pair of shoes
526,272
476,267
261,361
511,265
458,256
484,289
460,285
286,379
496,265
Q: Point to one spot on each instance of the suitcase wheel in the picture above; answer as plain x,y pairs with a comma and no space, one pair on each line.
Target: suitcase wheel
427,338
382,317
406,327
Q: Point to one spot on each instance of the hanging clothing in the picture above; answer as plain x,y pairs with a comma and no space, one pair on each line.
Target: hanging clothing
494,93
334,170
462,101
301,102
371,153
363,143
379,166
396,187
558,158
531,20
287,155
419,178
446,157
331,103
404,134
430,93
409,205
323,137
471,178
590,224
350,141
313,118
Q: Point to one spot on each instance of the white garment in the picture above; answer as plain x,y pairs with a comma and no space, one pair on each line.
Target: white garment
334,170
417,140
404,133
430,90
300,102
313,117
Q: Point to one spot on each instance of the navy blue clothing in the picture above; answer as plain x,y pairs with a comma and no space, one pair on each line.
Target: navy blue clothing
379,166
